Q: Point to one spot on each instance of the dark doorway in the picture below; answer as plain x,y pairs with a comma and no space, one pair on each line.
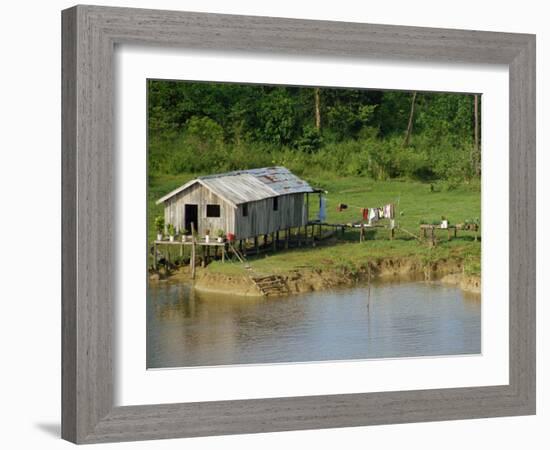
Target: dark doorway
191,217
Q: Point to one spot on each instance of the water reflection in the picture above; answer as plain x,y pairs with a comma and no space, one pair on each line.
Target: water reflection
185,328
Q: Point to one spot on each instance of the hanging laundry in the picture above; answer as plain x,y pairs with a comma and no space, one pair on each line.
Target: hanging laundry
373,214
388,211
322,209
365,213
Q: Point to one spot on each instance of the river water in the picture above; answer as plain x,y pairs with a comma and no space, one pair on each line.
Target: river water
187,328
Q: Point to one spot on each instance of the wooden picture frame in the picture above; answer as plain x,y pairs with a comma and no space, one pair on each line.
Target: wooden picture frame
90,34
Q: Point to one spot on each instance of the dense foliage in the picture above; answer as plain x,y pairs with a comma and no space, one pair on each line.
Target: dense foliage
196,127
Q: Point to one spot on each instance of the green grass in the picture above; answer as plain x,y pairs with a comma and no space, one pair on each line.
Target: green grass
415,201
351,256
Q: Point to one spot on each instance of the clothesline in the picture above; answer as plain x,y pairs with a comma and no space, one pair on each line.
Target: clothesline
374,213
369,214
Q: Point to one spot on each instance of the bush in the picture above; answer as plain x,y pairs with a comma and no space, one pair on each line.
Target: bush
310,141
200,148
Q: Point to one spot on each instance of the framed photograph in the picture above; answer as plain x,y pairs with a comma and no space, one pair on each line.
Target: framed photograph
278,224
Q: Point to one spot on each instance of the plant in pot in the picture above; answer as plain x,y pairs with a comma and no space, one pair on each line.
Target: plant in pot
221,235
171,232
207,236
159,227
184,235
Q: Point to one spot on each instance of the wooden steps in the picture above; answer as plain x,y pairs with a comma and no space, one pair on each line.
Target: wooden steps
271,285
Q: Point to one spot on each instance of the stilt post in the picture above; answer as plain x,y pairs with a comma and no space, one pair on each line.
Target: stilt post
287,237
193,251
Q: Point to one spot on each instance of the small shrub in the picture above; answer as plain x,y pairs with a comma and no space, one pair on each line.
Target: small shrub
159,224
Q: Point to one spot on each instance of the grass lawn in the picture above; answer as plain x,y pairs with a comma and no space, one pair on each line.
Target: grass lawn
415,201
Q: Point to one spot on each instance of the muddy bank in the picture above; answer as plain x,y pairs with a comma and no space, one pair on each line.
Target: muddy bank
468,283
308,280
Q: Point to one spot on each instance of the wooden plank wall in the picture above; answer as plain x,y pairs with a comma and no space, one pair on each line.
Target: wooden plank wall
263,220
174,210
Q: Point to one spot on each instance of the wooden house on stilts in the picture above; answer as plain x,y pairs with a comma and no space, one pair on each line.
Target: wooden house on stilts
244,203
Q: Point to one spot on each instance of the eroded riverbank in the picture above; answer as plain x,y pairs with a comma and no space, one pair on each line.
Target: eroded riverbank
303,280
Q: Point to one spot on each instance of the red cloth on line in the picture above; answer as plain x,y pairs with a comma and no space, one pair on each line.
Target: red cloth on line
365,213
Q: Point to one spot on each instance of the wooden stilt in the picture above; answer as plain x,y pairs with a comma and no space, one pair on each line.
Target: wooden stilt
193,251
256,245
299,237
155,256
287,237
193,259
274,242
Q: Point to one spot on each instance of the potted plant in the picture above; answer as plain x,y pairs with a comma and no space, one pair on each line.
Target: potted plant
184,235
159,227
207,236
171,232
221,235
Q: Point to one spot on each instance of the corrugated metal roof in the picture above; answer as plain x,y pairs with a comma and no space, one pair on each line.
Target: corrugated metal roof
242,186
238,188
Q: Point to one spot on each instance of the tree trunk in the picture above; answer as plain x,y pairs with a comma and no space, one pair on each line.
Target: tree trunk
317,108
410,124
477,152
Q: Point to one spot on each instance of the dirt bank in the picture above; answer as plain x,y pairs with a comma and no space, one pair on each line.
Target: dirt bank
468,283
308,280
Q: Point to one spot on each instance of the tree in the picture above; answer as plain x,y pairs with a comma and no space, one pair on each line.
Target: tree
410,123
317,108
476,154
